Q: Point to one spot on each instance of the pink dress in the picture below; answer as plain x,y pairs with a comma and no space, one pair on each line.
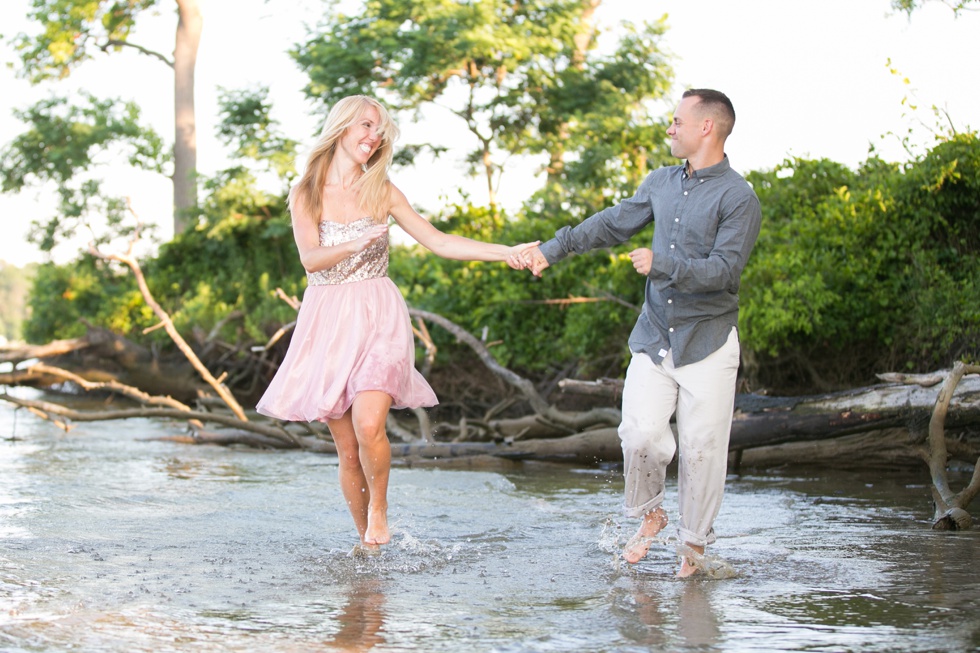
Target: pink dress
353,334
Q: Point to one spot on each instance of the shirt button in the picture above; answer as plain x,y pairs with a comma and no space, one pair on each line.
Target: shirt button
700,181
671,329
672,245
685,192
670,301
677,219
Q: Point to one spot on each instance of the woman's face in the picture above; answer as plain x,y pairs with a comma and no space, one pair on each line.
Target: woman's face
361,140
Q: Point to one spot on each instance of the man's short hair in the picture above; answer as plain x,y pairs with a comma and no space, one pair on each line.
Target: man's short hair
717,105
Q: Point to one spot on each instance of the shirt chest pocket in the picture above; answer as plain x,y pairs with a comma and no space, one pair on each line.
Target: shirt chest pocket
698,231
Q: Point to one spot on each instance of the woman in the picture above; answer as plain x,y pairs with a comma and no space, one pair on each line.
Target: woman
352,354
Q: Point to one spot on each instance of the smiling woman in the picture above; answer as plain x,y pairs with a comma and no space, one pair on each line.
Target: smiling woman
351,357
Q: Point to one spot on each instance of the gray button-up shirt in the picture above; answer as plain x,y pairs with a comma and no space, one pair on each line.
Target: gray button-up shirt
705,226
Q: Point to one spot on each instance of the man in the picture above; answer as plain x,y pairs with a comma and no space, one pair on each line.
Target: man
685,343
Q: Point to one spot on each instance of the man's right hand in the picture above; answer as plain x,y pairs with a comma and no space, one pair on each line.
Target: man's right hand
535,261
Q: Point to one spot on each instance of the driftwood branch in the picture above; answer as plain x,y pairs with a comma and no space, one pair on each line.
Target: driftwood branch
950,507
20,353
541,407
293,302
129,259
283,437
526,388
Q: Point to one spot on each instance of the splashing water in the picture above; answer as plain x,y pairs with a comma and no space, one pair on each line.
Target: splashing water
712,566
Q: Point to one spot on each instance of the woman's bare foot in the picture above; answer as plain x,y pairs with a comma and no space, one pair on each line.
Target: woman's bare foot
638,546
689,563
377,528
362,550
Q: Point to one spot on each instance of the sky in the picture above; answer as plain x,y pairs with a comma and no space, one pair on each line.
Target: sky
815,79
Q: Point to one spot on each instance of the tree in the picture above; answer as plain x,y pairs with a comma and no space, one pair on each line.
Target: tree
524,77
908,6
75,31
62,147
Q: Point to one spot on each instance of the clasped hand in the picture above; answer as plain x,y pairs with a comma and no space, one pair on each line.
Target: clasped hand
529,257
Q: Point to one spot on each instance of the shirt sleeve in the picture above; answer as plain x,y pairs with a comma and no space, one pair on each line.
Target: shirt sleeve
721,270
612,226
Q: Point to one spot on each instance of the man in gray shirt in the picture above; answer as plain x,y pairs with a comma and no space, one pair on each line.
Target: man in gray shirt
685,343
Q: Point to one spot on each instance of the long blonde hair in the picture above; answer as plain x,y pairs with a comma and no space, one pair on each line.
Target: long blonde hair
373,192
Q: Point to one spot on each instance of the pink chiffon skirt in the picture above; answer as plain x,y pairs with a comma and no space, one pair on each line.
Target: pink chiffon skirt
349,338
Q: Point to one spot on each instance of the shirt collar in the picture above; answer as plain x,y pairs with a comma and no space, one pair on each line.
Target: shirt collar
716,170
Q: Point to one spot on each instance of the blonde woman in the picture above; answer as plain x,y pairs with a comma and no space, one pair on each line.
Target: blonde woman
352,353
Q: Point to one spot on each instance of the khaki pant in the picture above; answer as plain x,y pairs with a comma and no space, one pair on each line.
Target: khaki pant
703,396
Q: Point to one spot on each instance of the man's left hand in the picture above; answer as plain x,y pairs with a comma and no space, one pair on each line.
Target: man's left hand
642,260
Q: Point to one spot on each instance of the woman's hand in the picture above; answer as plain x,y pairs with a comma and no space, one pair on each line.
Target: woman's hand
372,233
519,256
642,260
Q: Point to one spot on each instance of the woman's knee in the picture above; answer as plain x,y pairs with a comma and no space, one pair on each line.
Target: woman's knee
370,428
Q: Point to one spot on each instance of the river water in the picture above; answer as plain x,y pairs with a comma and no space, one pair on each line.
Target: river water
113,541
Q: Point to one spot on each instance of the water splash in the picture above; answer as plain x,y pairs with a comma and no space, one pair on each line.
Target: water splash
711,566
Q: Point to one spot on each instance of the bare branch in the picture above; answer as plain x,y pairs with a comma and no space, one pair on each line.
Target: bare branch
276,433
117,43
520,383
130,260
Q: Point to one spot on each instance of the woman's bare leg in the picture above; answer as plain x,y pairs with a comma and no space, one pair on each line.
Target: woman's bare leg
368,414
352,482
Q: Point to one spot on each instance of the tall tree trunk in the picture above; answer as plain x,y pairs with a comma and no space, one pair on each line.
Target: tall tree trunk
185,130
488,170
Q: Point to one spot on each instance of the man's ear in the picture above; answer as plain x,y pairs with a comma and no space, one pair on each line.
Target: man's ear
707,126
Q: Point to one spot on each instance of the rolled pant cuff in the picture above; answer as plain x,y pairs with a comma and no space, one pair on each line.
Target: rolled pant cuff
637,512
690,537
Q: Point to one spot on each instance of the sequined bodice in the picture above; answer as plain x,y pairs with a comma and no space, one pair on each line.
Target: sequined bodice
370,263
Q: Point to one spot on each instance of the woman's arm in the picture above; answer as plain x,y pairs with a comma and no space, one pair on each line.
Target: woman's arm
449,245
316,257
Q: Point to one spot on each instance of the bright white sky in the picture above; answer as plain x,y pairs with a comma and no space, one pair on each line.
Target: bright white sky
807,78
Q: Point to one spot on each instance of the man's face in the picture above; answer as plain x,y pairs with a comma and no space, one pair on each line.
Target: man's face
685,131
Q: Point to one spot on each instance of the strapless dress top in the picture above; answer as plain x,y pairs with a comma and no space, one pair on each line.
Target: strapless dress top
370,263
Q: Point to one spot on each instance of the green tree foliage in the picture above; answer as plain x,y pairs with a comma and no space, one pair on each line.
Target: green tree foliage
66,297
62,148
940,201
867,271
73,32
247,127
243,249
909,6
495,64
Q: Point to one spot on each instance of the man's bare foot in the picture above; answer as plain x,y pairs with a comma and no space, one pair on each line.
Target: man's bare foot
689,563
638,546
362,550
377,528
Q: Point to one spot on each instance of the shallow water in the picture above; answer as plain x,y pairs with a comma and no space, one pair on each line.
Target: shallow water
110,541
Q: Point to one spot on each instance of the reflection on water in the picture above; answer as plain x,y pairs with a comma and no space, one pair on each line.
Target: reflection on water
362,618
112,541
